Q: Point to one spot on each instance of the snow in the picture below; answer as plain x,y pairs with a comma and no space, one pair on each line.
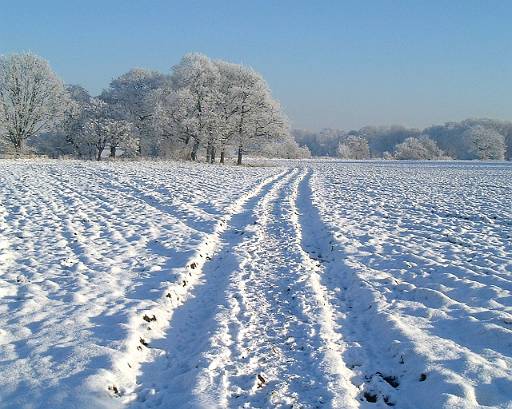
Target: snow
307,284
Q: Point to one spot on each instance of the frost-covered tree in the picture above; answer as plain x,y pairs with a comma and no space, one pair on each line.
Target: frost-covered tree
76,115
131,96
121,136
453,138
422,148
95,127
32,98
486,143
227,106
288,149
194,85
218,106
65,140
170,122
323,143
102,128
258,118
354,147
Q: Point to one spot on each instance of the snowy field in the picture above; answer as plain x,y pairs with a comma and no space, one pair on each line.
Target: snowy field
301,285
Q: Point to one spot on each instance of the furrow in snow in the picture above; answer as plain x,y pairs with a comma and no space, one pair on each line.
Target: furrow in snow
372,357
344,392
237,319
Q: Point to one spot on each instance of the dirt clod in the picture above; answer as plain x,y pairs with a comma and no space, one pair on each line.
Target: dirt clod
149,319
261,381
370,397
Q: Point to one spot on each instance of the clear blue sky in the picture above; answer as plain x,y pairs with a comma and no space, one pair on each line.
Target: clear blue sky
339,64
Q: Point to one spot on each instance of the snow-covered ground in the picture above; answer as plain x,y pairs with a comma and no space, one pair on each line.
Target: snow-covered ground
305,285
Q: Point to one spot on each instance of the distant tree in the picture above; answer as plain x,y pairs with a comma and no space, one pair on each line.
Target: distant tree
76,115
486,143
453,138
354,147
385,138
380,139
387,156
288,149
323,143
32,98
258,117
422,148
130,95
103,129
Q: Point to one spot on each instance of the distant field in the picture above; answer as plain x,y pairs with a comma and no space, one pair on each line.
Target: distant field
307,284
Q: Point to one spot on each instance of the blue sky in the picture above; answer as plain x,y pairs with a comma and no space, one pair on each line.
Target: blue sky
339,64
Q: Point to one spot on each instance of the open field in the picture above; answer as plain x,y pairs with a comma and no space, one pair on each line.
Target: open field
314,284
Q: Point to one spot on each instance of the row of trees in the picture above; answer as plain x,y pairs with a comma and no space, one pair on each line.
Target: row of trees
202,104
422,148
470,139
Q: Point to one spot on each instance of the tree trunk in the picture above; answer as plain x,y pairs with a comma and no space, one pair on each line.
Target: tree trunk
208,152
222,156
18,147
98,156
212,154
113,152
195,148
139,147
240,152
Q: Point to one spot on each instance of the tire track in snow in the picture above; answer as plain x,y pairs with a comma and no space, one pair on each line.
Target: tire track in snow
272,341
83,252
339,376
175,303
237,321
373,364
294,347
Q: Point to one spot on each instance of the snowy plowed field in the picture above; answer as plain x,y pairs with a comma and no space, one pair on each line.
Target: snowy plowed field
301,285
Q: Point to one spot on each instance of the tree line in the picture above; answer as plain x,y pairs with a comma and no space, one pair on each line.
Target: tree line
483,139
202,105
